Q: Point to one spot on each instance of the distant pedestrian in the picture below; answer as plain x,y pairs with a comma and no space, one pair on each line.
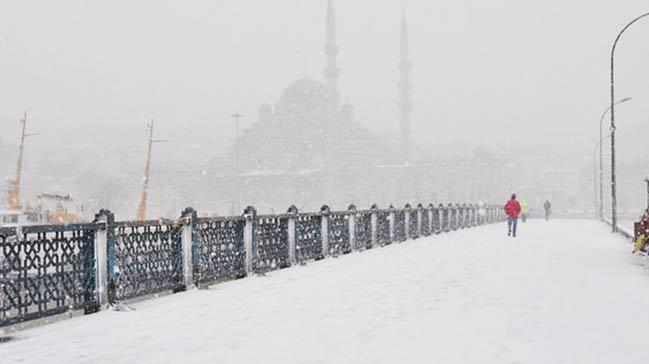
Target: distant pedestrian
525,209
548,209
512,209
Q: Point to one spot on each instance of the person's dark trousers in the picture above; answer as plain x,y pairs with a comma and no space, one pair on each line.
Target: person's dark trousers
511,225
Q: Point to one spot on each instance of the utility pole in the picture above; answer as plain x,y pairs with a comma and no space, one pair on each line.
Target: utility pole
141,211
236,117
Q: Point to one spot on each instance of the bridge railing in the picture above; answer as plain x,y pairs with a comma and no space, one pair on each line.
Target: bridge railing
48,270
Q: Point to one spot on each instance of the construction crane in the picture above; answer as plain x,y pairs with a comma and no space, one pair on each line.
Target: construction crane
13,193
141,211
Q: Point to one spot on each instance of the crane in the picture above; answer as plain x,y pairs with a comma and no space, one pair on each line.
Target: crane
141,211
13,195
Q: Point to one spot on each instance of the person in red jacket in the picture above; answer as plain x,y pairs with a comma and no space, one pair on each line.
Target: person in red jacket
512,209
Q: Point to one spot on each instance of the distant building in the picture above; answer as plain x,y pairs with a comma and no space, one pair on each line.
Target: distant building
309,150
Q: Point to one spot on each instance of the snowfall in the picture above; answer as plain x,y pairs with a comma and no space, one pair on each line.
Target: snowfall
562,292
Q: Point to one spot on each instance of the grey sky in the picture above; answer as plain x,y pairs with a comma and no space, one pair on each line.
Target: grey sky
496,72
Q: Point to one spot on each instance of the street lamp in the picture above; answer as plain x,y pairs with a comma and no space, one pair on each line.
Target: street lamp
601,157
236,117
646,180
598,145
613,179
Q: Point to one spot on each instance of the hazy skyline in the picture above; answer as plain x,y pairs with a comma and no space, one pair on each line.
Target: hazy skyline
497,73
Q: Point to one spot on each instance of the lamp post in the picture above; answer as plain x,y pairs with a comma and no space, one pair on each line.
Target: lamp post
598,212
236,117
601,156
613,178
646,180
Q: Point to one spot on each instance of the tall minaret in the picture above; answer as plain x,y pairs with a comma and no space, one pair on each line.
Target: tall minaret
405,87
331,51
331,126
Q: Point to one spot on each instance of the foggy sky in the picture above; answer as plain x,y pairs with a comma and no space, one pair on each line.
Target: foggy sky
500,73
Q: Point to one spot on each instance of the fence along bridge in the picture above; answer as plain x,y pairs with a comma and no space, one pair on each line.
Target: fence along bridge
49,270
564,291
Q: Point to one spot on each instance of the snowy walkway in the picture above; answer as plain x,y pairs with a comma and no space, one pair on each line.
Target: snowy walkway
563,292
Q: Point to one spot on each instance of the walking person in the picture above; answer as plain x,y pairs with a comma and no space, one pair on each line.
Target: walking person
548,209
512,209
525,209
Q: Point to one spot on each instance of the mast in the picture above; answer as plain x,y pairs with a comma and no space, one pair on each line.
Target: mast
13,197
141,211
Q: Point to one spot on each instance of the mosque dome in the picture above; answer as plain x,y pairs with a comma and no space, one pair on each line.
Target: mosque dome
304,96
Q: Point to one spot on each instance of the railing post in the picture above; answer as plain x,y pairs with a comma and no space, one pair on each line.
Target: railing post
351,223
406,221
431,215
324,212
292,257
392,221
104,257
249,238
188,219
375,225
420,207
465,216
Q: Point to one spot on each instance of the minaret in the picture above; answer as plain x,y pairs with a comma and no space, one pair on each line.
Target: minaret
331,126
331,51
405,88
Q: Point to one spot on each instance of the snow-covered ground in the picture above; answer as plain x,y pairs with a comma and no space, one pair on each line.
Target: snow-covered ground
563,292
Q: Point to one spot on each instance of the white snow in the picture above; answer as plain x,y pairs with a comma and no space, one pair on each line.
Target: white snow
563,292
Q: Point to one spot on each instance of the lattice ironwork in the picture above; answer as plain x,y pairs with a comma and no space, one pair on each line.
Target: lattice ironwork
308,237
363,229
45,270
338,233
383,227
452,213
219,251
148,258
460,216
400,225
437,220
474,215
271,242
413,224
446,219
425,222
466,216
